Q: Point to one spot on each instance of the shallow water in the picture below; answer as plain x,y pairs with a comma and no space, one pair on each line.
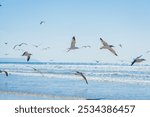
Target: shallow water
58,81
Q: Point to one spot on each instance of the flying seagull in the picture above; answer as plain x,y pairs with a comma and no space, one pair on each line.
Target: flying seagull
73,42
0,5
27,54
6,73
109,47
36,45
81,74
46,48
19,45
20,50
36,70
87,46
138,60
42,22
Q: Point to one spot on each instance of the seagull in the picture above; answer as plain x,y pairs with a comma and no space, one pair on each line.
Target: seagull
0,5
81,74
19,45
73,42
36,70
46,48
109,47
27,54
20,50
87,46
42,22
138,60
36,45
6,73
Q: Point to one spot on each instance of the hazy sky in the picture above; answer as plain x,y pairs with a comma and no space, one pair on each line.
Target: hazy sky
125,22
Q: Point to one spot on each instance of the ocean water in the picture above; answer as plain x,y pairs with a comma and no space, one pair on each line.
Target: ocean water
57,81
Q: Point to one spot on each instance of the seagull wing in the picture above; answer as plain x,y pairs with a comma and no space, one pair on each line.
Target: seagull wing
31,67
22,44
80,73
25,53
133,62
104,42
6,73
15,46
112,50
36,70
28,58
40,72
73,42
42,22
84,78
139,57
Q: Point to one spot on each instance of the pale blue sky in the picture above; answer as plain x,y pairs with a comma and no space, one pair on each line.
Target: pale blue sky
116,21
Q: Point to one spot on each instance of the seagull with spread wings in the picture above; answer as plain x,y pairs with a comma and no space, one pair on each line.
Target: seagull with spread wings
138,60
36,46
46,48
73,43
108,47
27,54
19,45
36,70
81,74
86,46
6,73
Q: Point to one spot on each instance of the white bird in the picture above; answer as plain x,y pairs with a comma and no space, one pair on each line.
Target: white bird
109,47
27,54
87,46
36,45
42,22
6,73
20,50
46,48
73,43
19,45
36,70
81,74
138,60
